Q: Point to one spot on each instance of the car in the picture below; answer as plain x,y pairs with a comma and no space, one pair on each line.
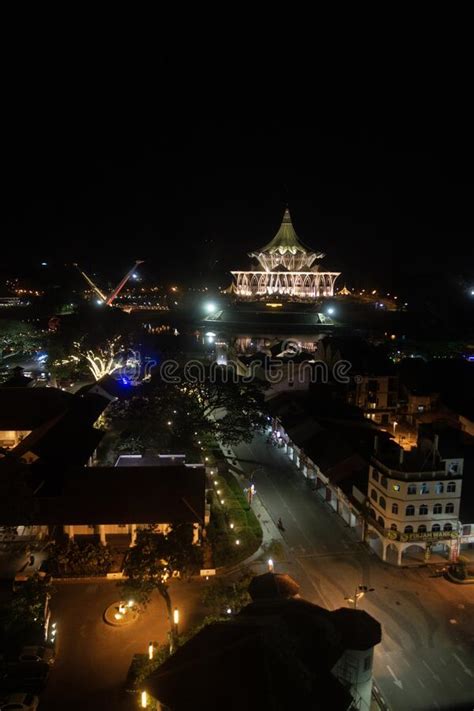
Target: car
28,676
35,653
19,702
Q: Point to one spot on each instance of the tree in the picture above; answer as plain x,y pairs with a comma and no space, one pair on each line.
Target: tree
27,607
104,360
186,415
154,560
18,337
222,595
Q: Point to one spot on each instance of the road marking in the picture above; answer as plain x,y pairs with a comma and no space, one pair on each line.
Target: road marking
460,661
396,681
443,661
435,676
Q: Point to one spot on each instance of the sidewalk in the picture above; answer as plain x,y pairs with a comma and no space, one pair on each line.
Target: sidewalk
270,531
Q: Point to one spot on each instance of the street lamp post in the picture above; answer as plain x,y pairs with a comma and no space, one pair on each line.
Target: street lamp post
359,593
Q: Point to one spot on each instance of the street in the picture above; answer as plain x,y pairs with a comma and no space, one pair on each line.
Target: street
426,658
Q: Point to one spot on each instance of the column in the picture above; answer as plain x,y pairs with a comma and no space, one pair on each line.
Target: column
133,534
70,531
103,539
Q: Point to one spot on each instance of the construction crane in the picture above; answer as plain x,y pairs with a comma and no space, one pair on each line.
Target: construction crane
103,298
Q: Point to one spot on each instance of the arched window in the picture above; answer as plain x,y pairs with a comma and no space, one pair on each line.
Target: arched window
373,495
449,508
436,527
424,489
375,475
408,529
447,527
451,488
383,481
372,513
395,508
410,510
439,487
437,509
423,510
421,528
393,527
381,521
382,503
411,489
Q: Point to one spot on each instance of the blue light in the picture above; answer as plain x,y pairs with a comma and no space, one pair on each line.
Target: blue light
125,381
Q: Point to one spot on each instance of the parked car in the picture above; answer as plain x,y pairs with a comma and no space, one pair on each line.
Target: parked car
19,702
29,676
34,653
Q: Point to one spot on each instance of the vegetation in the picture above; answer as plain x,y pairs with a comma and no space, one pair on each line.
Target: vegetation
23,617
75,560
223,595
154,560
187,417
235,510
18,337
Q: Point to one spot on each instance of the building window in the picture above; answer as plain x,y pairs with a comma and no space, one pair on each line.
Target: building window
411,489
373,495
436,527
466,530
410,510
396,487
408,529
421,528
383,481
437,509
449,508
382,503
453,468
451,488
424,489
375,475
393,527
381,521
447,527
439,487
395,508
423,510
372,513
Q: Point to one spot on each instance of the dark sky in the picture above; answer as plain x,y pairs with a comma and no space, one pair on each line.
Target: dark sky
388,199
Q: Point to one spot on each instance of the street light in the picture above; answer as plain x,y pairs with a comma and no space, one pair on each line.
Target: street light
395,424
359,593
270,565
150,650
144,700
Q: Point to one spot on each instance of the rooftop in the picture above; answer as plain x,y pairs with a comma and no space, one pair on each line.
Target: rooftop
108,495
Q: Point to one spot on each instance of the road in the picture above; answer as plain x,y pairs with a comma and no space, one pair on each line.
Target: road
426,658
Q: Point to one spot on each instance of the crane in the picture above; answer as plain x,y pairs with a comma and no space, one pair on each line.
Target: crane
100,294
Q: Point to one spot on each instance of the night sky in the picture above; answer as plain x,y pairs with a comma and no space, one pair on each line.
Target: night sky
388,200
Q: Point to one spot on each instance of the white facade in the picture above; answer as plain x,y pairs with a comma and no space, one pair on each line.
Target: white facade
419,509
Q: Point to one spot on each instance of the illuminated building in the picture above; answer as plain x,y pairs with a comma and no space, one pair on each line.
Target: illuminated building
287,269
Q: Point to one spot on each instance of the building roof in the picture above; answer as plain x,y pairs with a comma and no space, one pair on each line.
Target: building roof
69,437
111,495
27,408
285,240
275,654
